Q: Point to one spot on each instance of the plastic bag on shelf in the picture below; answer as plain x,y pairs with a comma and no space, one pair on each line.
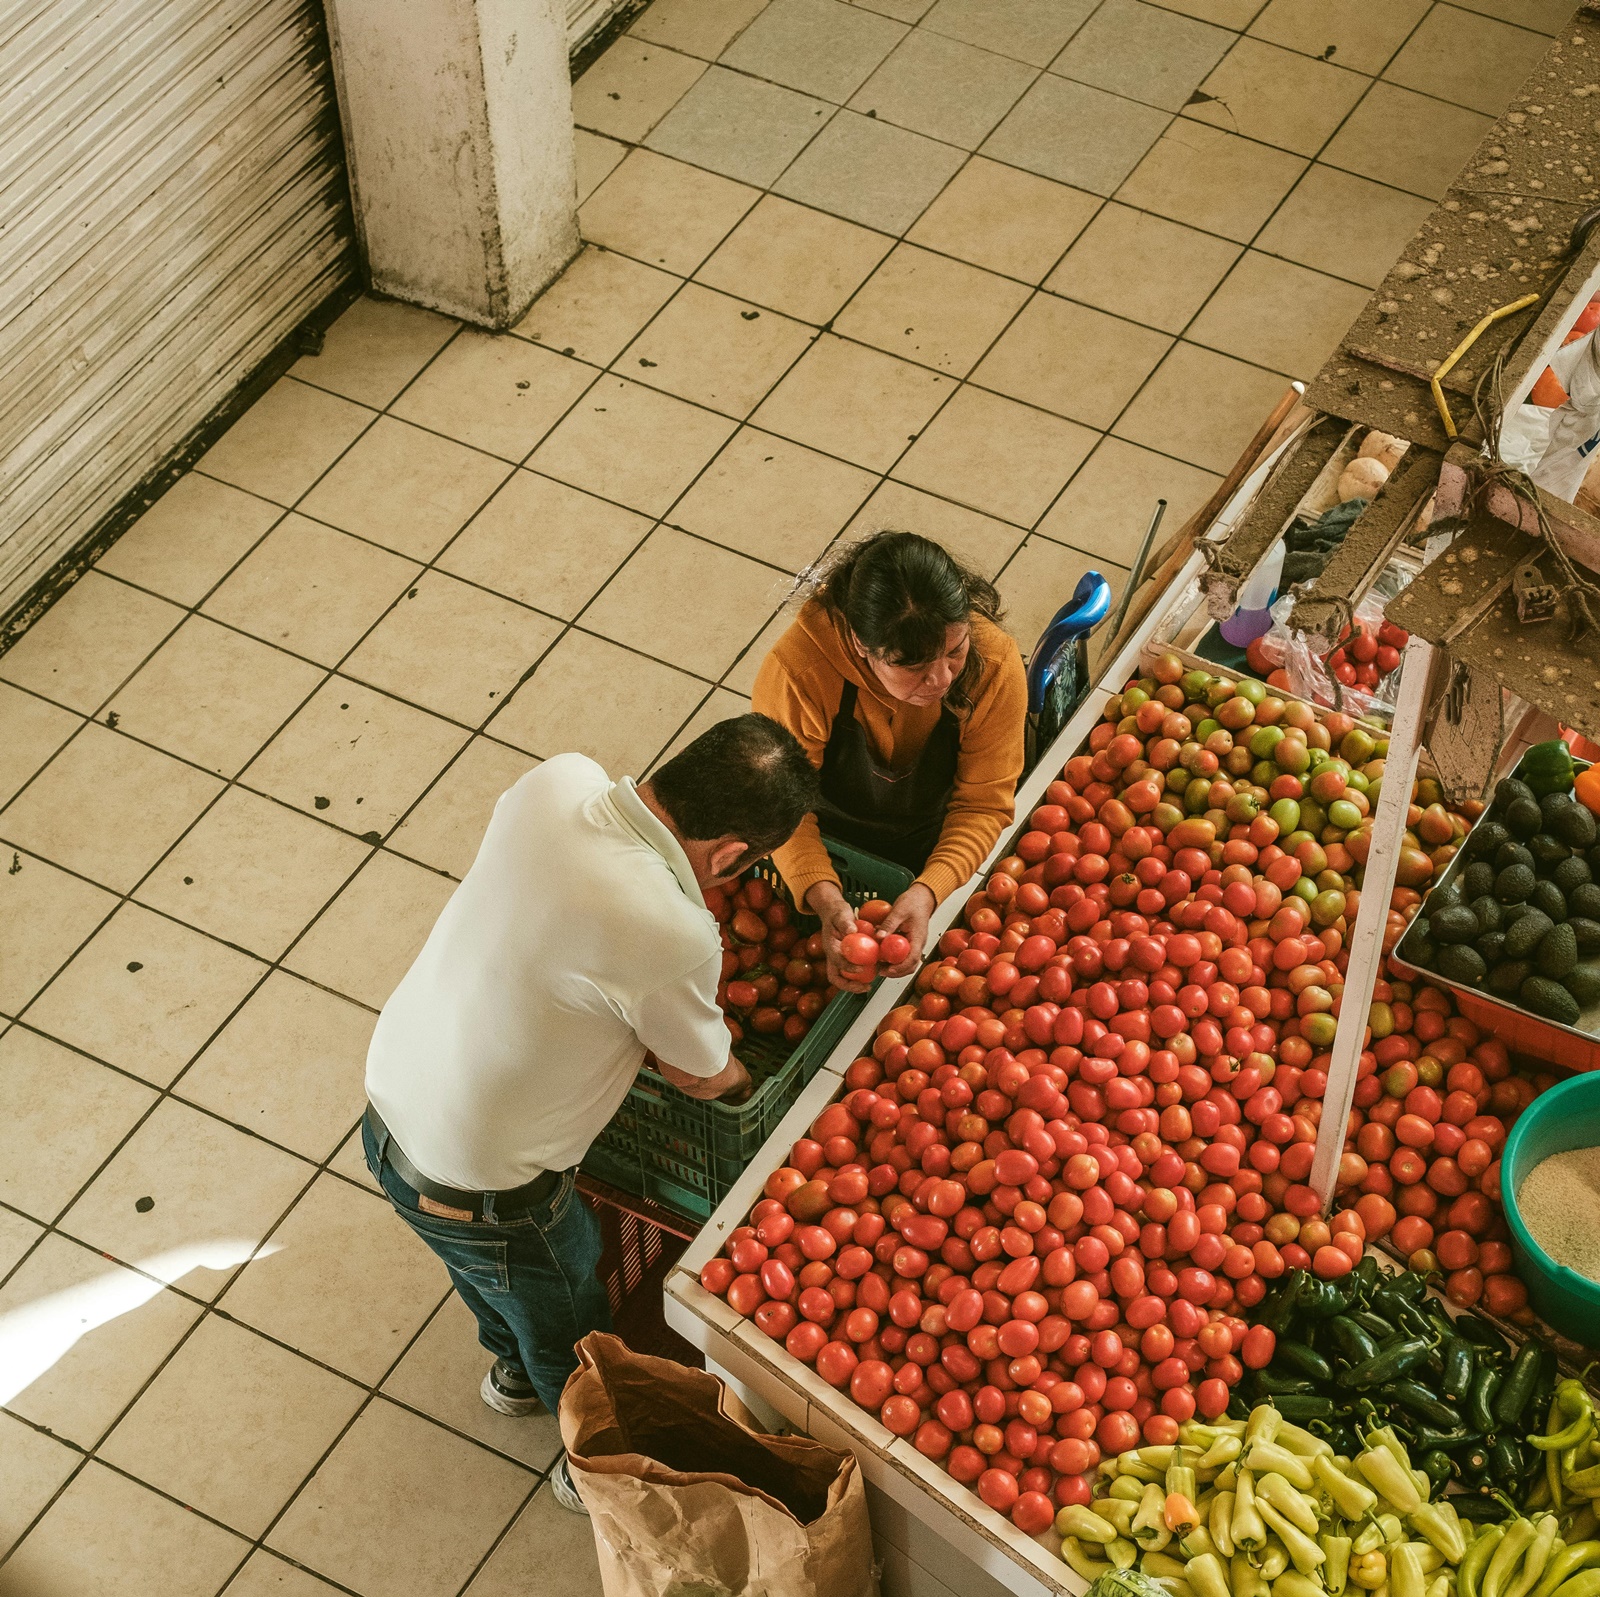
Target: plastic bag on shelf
1308,675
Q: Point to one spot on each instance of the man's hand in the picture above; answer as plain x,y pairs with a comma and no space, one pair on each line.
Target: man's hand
731,1082
909,917
828,904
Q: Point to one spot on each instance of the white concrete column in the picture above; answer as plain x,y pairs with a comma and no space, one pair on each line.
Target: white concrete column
458,130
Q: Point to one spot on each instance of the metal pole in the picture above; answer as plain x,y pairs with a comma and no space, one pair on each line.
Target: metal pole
1138,565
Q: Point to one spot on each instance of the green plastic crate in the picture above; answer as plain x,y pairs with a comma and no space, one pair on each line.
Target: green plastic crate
663,1144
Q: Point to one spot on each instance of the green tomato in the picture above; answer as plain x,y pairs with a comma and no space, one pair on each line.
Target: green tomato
1249,688
1318,1030
1286,812
1343,814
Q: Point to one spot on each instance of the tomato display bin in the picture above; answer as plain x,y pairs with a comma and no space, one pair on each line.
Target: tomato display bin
1572,1047
682,1152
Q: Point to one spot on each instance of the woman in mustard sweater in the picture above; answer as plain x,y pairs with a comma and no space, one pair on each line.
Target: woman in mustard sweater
900,684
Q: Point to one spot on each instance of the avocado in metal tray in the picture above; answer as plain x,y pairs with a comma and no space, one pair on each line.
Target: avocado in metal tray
1507,977
1575,826
1460,962
1583,982
1557,952
1585,901
1525,933
1550,999
1514,884
1571,873
1524,817
1549,898
1453,924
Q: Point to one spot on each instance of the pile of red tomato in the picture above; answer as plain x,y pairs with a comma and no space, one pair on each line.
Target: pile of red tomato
1434,1102
774,981
1027,1234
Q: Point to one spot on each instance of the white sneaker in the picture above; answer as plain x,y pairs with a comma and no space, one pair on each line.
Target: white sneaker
508,1392
561,1484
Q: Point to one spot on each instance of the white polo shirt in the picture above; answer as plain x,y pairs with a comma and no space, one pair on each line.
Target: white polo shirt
578,939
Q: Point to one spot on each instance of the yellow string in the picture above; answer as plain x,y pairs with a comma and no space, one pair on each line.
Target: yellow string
1461,349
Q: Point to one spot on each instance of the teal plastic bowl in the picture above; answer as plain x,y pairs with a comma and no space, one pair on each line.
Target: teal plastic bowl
1565,1117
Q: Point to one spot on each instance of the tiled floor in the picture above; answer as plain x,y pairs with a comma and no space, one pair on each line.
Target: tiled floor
1003,271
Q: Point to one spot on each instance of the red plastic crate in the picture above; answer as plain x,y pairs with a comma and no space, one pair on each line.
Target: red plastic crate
640,1243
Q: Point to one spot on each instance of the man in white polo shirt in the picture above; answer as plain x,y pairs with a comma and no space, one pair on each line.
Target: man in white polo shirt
578,940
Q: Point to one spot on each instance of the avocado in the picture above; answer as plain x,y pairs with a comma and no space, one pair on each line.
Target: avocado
1508,976
1453,924
1587,932
1460,963
1526,933
1514,884
1548,897
1592,854
1557,952
1551,805
1523,817
1575,826
1486,837
1547,851
1585,901
1583,982
1550,999
1476,880
1446,895
1488,913
1571,873
1511,912
1417,947
1512,854
1507,792
1491,948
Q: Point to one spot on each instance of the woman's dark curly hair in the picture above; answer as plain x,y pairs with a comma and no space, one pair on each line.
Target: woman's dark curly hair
900,593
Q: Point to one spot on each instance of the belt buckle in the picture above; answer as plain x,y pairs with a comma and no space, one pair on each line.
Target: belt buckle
442,1210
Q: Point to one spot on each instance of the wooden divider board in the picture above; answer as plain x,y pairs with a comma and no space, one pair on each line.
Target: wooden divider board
1377,883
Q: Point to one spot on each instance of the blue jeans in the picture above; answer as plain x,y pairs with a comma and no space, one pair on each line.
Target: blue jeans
529,1280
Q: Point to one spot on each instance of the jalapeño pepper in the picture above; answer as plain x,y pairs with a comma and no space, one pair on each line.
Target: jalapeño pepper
1421,1402
1519,1387
1460,1361
1389,1363
1353,1342
1302,1360
1481,1400
1373,1324
1282,1309
1477,1329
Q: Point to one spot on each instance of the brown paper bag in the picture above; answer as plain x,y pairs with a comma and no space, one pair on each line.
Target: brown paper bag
689,1502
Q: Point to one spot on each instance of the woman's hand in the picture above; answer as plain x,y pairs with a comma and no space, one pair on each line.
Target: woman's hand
910,916
829,905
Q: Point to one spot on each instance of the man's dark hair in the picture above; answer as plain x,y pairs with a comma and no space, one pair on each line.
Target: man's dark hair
747,778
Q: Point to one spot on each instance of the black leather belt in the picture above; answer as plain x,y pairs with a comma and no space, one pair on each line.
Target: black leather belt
452,1203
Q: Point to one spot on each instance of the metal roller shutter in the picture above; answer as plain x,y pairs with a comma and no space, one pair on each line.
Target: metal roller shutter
173,204
585,17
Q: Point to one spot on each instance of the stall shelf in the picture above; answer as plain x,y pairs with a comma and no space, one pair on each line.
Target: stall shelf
973,1547
965,1546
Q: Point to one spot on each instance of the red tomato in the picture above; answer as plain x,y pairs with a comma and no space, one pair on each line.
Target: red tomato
871,1383
836,1363
900,1415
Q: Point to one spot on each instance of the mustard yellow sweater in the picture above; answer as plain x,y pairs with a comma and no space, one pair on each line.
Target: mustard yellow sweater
799,685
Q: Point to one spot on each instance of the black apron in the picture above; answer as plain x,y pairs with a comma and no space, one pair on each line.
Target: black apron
898,817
